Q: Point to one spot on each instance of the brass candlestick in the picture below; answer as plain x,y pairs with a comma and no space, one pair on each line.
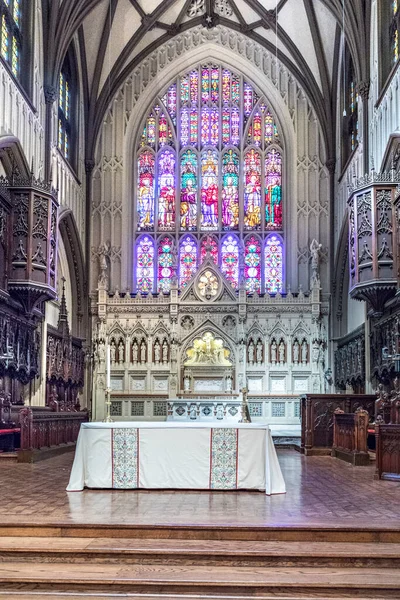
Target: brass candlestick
108,418
244,409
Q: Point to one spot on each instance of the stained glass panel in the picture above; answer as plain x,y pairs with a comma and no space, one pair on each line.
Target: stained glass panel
145,196
187,260
209,244
273,190
184,126
166,267
252,265
226,126
166,191
4,38
151,131
209,190
171,102
194,87
188,207
214,84
145,265
230,190
235,138
273,265
194,126
205,126
16,12
252,190
184,90
226,86
205,84
230,259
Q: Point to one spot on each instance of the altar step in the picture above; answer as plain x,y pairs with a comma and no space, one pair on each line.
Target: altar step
189,552
208,582
172,569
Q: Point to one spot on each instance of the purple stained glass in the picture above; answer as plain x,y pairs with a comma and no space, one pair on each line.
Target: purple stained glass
205,126
230,260
235,137
273,190
194,87
187,260
205,84
226,86
214,84
171,102
184,90
185,126
273,265
145,265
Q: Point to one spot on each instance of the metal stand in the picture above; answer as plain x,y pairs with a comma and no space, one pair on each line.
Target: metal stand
244,409
108,418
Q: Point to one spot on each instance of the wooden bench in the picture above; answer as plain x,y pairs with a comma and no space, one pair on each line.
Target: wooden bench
350,433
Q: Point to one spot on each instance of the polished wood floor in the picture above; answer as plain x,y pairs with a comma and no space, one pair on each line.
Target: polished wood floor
321,491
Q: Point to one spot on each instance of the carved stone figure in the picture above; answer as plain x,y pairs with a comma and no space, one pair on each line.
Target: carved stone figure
186,383
251,353
229,384
157,353
274,348
296,352
193,412
102,351
315,250
143,351
304,351
219,413
281,351
165,353
315,351
259,353
113,351
121,352
134,352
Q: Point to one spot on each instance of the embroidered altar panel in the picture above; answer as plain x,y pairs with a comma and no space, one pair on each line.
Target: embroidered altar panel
224,459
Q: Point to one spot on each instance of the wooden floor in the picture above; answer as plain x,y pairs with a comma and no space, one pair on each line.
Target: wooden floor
334,534
321,491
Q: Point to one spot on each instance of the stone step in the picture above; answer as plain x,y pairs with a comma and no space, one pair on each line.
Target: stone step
189,552
320,582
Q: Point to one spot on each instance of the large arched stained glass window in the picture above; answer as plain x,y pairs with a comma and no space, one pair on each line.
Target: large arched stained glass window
273,256
209,164
187,259
145,264
230,259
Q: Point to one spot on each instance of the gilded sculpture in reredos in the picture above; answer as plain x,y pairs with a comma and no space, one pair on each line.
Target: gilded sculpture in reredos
208,350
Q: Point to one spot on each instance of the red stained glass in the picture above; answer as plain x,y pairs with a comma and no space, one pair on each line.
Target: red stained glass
252,190
145,192
214,84
166,191
230,190
209,190
162,130
194,87
273,190
209,244
226,86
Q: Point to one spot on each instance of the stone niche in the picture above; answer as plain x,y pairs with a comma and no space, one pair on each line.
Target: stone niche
207,368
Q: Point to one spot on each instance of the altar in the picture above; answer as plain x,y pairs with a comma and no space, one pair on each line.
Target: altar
170,455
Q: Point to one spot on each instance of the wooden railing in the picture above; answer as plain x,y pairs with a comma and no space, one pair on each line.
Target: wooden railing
387,450
350,432
317,412
47,429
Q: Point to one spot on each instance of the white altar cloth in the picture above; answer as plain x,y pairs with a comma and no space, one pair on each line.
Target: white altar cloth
220,456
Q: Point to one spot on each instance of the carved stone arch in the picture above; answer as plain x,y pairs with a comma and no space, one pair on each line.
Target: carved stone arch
76,266
12,157
229,343
209,50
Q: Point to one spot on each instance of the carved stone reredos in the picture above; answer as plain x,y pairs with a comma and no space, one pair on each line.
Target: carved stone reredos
209,285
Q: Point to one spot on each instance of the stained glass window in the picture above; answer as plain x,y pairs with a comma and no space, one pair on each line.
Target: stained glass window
230,259
166,264
350,109
394,30
209,244
230,190
145,191
65,126
273,257
187,260
145,264
252,189
273,190
209,190
188,211
10,34
209,162
252,264
166,191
